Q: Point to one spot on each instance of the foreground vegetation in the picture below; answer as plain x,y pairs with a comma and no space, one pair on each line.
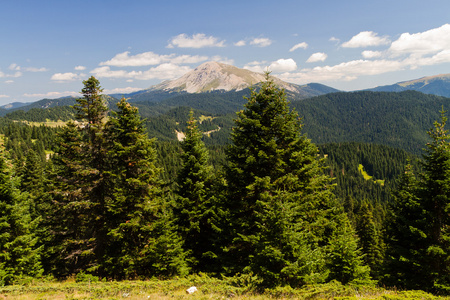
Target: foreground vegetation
265,221
208,288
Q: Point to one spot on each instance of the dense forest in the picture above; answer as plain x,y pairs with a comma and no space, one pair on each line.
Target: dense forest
109,195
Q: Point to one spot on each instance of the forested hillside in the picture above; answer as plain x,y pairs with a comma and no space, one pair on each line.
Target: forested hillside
262,204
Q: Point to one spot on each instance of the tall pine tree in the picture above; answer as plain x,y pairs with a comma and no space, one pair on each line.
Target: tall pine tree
286,225
196,207
141,236
19,255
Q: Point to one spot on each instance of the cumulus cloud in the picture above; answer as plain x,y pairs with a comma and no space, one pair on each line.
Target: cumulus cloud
283,65
31,69
80,68
15,67
240,43
14,75
366,39
409,51
422,43
261,42
371,54
302,45
199,40
344,71
126,90
66,76
334,39
257,66
163,71
318,56
149,58
223,60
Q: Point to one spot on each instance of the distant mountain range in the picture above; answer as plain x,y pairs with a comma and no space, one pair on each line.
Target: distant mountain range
221,80
216,91
435,85
210,77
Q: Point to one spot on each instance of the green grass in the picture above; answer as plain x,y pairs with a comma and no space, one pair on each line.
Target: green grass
367,176
208,288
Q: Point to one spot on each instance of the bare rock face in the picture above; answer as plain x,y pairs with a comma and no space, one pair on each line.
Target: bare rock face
212,76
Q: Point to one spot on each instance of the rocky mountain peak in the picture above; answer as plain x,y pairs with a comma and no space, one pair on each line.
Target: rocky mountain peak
211,76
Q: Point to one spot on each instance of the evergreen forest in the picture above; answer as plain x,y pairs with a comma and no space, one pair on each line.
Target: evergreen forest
109,192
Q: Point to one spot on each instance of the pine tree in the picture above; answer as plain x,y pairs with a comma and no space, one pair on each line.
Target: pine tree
141,240
405,261
195,207
82,185
435,188
19,255
370,239
69,217
283,216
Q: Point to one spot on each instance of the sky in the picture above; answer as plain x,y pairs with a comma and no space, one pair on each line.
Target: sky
49,47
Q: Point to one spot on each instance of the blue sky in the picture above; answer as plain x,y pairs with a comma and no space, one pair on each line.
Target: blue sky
49,47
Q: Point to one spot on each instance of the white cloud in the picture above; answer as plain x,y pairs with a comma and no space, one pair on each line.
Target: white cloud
66,76
15,75
334,39
14,67
223,60
126,90
371,54
31,69
318,56
422,43
199,40
106,72
366,39
4,96
80,68
261,42
240,43
283,65
344,71
302,45
257,66
150,58
9,81
52,95
409,51
163,71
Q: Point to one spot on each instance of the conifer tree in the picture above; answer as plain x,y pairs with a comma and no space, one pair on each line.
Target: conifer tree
141,237
286,224
418,233
82,185
435,189
370,240
406,236
195,207
69,217
19,255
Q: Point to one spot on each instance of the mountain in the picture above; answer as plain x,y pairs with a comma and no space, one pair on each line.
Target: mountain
14,105
219,77
436,85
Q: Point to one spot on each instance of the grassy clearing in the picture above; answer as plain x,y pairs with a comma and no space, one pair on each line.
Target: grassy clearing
367,176
208,288
48,123
204,118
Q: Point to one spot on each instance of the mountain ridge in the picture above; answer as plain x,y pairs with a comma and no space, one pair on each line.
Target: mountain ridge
436,85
